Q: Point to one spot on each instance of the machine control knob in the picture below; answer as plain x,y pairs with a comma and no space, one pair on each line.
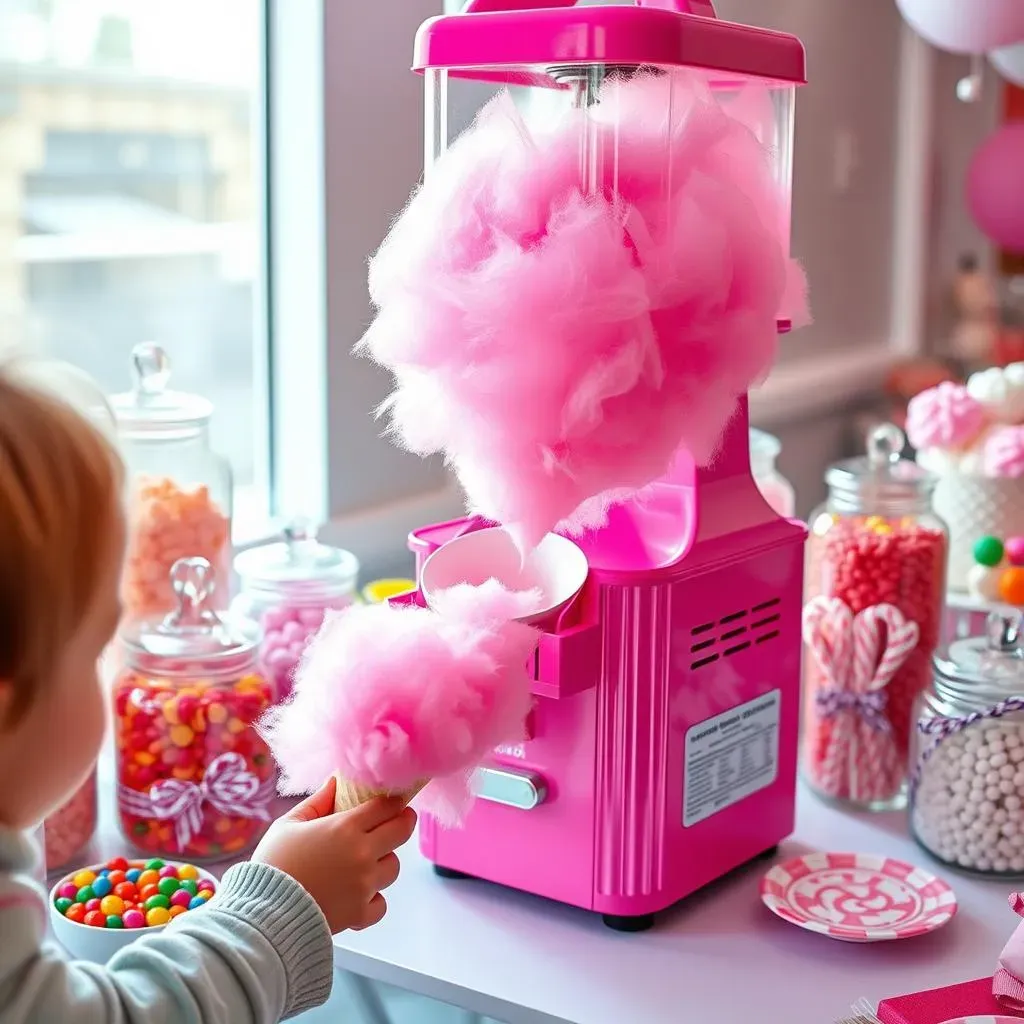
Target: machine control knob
522,790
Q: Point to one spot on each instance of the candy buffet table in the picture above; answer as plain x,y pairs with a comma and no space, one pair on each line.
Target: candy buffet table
721,956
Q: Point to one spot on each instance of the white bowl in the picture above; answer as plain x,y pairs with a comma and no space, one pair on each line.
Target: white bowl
98,945
557,567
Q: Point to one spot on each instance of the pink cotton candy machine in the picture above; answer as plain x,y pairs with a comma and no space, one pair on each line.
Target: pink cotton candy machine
661,751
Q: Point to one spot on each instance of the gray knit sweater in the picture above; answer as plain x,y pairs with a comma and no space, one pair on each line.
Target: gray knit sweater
259,952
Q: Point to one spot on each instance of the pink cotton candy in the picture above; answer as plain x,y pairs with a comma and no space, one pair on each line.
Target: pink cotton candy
945,416
558,341
390,695
1003,455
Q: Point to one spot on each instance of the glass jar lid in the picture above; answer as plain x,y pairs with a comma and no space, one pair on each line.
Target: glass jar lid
150,408
192,639
987,668
881,476
298,564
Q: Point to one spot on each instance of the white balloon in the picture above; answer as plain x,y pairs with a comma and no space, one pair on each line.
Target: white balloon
1009,62
966,26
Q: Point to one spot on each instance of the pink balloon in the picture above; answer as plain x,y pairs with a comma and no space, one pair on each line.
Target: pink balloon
966,26
995,195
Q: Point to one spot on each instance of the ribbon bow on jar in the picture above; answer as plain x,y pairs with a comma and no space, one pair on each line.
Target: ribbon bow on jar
858,656
227,786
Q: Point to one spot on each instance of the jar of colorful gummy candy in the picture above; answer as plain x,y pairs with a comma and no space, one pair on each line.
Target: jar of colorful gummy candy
774,487
287,588
195,780
874,594
179,489
967,754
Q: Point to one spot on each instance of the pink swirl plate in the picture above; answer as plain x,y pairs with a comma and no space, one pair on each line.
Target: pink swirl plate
857,897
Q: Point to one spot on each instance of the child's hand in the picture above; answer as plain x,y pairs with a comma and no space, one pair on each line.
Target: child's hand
342,860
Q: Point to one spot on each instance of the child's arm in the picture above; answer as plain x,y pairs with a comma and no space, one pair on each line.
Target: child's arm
259,952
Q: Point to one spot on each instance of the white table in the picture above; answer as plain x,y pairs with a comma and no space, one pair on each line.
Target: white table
720,956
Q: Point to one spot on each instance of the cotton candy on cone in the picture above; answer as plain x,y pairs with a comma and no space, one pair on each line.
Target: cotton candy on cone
349,795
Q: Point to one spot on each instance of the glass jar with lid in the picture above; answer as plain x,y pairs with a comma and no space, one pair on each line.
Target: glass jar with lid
287,588
179,488
874,593
195,780
774,487
967,758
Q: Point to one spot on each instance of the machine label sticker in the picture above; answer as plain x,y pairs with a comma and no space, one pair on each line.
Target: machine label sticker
729,757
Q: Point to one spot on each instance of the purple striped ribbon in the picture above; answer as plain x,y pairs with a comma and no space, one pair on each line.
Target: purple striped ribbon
941,728
869,705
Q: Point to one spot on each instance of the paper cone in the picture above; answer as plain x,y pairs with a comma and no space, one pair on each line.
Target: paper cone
348,794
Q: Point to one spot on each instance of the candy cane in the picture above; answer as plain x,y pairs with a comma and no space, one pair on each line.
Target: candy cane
828,633
876,767
901,637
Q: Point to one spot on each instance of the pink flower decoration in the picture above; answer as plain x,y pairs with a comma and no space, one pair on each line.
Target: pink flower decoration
945,416
1004,453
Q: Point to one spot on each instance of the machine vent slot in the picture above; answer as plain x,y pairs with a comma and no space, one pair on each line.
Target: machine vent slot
704,661
734,633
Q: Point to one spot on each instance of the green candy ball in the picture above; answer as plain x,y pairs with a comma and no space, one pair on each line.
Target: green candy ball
85,894
190,886
62,903
168,886
114,921
159,900
154,865
988,551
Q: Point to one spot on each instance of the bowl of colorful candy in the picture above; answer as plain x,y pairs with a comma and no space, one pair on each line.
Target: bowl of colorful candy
97,910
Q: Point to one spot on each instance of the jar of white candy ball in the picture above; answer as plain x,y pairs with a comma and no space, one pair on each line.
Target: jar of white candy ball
287,588
967,754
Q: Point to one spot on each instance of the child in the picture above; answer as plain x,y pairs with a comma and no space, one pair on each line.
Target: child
261,950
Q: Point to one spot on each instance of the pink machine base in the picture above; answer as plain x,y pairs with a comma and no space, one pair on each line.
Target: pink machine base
661,753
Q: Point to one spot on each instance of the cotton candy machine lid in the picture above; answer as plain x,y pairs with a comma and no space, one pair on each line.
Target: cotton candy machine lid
501,40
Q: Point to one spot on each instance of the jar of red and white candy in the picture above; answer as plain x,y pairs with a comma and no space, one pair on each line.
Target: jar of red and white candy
179,489
195,780
287,588
875,586
967,763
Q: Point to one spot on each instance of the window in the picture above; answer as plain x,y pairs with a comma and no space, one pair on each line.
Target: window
131,201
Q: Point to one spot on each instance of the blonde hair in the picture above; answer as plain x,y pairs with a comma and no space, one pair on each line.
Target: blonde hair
60,489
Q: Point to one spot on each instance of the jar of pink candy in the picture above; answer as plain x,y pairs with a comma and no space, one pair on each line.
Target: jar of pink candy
287,588
68,829
179,488
774,487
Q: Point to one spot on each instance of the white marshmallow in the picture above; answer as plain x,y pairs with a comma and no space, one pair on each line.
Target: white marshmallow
1001,391
939,461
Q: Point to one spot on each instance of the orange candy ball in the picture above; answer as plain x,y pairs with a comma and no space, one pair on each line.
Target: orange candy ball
147,878
1011,585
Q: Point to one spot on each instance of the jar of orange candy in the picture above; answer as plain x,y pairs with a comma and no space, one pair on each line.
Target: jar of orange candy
875,587
180,490
195,781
